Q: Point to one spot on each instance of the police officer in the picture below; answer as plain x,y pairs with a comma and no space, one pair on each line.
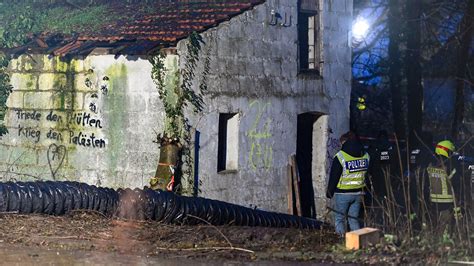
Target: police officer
382,158
466,164
444,185
347,182
381,155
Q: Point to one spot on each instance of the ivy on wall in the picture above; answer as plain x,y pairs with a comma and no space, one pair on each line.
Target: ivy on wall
5,90
194,47
177,93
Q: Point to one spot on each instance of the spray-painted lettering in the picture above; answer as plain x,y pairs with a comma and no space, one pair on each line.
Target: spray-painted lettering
55,155
29,133
84,119
259,135
27,115
52,134
81,119
54,117
82,139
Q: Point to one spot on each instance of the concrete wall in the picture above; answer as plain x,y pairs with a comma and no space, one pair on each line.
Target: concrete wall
89,120
337,75
253,72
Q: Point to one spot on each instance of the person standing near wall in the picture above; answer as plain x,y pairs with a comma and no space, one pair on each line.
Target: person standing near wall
346,183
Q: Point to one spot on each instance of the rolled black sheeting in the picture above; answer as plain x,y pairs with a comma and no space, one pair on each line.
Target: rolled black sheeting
3,198
26,203
13,197
160,206
47,206
84,195
37,198
112,202
51,197
58,197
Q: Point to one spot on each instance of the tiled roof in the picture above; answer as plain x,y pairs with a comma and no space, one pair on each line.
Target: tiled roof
163,26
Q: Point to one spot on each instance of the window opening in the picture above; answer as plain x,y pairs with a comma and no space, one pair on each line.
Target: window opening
228,143
308,39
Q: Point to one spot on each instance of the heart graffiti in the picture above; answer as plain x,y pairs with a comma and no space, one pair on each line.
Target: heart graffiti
56,155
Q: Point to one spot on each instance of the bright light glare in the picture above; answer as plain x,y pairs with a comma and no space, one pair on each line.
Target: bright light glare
360,28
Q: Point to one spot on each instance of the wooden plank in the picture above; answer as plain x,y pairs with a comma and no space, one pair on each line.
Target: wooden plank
363,238
296,184
290,190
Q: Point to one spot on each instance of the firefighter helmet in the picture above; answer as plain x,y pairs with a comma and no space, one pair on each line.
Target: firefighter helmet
444,148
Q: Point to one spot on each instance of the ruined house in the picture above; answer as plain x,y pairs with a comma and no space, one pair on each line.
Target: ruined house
277,72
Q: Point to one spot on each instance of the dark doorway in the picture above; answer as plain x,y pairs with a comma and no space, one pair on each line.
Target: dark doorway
304,158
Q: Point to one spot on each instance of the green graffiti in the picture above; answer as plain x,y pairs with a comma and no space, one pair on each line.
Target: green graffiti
259,135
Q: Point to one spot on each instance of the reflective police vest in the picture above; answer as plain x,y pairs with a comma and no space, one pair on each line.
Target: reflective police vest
440,185
354,170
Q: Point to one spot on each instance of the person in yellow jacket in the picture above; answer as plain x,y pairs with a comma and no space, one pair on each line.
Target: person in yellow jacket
443,185
347,181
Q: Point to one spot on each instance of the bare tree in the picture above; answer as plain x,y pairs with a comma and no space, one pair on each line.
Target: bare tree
395,67
465,39
413,11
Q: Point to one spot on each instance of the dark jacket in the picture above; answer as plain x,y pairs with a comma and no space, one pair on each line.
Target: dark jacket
353,148
466,165
382,162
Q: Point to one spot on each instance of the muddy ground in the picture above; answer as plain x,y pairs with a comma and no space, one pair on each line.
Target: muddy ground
80,235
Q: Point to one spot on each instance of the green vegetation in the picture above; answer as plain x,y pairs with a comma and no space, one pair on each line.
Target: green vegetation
13,32
5,89
175,88
66,20
36,18
411,224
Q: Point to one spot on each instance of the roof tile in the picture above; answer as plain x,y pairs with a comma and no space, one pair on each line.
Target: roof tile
173,21
164,26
